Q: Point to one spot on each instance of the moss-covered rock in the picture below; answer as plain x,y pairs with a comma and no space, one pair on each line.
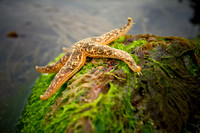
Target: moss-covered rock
106,96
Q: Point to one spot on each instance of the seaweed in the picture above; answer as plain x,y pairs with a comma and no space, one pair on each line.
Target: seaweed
106,96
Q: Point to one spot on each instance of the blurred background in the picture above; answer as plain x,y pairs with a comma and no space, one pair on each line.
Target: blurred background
34,32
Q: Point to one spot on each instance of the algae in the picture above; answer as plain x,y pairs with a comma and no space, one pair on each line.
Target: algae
106,96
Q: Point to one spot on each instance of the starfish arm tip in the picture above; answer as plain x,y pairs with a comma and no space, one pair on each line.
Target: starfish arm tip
64,49
130,19
36,67
42,97
138,68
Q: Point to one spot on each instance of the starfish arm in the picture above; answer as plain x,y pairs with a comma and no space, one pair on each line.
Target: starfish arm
114,34
55,67
65,49
75,62
105,51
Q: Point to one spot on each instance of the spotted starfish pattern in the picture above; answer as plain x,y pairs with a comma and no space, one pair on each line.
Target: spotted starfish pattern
75,57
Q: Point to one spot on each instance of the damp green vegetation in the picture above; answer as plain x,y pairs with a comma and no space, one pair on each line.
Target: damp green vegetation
106,96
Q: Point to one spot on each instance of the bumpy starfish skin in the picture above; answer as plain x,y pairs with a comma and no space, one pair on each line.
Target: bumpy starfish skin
75,57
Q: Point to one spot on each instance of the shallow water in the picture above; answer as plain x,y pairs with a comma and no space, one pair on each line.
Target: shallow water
45,26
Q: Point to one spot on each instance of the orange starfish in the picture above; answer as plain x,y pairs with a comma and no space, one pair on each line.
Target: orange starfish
75,57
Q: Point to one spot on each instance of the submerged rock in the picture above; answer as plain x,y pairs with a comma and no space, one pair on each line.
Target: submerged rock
106,96
12,34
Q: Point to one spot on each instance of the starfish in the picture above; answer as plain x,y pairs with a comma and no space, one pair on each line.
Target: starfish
75,57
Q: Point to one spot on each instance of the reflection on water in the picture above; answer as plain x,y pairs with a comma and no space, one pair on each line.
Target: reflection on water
43,27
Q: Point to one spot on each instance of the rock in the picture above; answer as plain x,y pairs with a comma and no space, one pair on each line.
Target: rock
106,96
12,34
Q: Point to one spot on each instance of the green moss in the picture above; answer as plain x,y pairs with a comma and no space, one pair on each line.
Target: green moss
35,120
120,39
100,112
148,128
128,104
